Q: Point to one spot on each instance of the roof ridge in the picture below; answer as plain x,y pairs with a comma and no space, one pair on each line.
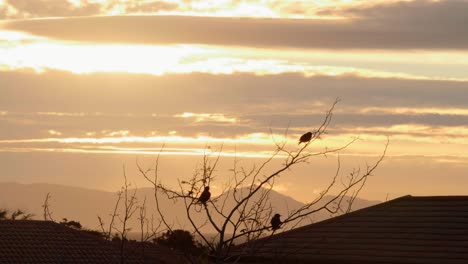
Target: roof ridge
327,221
441,197
417,231
340,217
55,225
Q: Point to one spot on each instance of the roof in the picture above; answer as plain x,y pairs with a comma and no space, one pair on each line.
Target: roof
29,241
406,230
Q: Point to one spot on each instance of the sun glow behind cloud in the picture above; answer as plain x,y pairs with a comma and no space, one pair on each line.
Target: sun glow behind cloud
202,117
220,8
406,140
23,51
89,58
296,9
389,86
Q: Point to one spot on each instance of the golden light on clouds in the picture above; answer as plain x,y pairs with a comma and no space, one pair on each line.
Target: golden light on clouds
231,8
16,36
202,117
118,79
75,3
220,8
405,140
62,114
54,132
23,51
415,110
121,137
146,152
89,58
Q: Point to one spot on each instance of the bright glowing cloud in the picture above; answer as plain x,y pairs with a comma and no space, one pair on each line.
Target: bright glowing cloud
413,133
75,3
21,51
415,110
17,36
256,138
406,139
88,58
121,133
225,8
61,114
203,117
117,143
130,151
54,132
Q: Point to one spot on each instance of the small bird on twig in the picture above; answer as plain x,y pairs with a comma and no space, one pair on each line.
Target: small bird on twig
205,196
305,138
275,222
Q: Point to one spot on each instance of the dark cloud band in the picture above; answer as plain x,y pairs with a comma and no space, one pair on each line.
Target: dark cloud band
145,103
416,25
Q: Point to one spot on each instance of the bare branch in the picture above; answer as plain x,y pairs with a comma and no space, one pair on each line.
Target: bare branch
46,207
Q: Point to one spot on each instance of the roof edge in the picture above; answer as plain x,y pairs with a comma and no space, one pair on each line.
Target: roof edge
340,217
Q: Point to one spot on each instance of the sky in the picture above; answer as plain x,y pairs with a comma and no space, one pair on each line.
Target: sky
89,86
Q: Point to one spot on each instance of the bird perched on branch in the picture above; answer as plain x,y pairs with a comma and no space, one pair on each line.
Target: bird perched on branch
305,138
205,196
275,222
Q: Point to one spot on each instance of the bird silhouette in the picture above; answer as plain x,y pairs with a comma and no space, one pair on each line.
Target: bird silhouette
275,222
305,138
205,196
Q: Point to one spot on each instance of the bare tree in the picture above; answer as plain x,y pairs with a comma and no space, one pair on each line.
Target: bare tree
149,227
249,217
107,231
46,208
126,198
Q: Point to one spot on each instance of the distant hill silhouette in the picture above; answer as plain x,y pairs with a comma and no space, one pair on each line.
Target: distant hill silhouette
84,205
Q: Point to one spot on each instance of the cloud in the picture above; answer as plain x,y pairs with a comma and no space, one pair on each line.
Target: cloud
61,8
415,139
422,117
54,132
200,93
61,114
417,11
225,8
359,119
208,117
19,50
22,51
50,8
3,11
150,7
415,110
414,25
223,106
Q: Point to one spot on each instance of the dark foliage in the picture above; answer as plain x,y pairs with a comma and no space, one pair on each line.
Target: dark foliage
15,215
71,223
182,241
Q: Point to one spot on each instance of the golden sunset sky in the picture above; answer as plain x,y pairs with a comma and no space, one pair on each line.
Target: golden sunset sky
89,85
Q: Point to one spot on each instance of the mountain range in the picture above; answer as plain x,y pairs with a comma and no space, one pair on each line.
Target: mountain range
85,205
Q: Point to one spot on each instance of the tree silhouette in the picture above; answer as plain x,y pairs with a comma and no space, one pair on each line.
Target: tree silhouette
180,240
71,223
15,215
251,214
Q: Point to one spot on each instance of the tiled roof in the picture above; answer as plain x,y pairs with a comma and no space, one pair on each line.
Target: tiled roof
29,241
416,230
